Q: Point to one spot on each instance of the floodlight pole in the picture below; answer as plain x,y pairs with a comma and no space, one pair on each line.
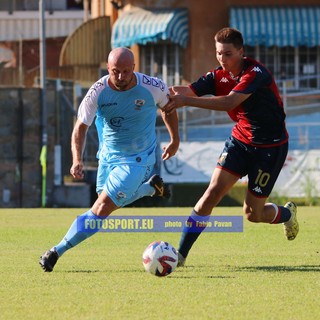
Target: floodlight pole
43,102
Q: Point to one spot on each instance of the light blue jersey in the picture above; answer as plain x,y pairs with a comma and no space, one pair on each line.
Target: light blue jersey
125,120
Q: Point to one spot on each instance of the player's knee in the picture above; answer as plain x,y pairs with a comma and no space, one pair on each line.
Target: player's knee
103,209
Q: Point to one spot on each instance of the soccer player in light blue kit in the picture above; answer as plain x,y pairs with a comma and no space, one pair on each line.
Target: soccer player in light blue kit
124,105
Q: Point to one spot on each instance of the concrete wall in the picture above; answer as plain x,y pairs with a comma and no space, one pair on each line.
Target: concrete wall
19,147
20,144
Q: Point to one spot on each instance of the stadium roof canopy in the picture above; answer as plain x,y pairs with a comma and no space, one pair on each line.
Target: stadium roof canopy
24,25
278,26
141,26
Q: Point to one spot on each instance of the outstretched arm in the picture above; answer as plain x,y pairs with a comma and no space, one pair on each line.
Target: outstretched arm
78,141
184,96
184,90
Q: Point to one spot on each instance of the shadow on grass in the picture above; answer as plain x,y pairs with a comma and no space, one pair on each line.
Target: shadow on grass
174,275
178,275
301,268
105,271
82,271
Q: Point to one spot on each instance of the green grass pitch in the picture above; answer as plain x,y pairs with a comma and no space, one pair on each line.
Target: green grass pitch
256,274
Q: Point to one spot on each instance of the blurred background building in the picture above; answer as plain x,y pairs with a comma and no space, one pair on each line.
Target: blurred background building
173,40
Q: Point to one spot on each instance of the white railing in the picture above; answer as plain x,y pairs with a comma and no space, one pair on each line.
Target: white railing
201,125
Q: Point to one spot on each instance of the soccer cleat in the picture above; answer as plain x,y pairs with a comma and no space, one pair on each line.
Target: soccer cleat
161,189
291,227
48,260
181,260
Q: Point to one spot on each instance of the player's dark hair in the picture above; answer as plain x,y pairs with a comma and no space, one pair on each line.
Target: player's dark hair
229,35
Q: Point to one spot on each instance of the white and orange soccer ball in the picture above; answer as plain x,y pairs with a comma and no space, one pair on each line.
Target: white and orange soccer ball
160,258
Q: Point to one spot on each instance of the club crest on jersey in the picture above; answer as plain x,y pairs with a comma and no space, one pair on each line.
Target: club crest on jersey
222,158
139,103
121,195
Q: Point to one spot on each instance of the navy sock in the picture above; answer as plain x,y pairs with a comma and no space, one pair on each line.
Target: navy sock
82,228
283,215
190,233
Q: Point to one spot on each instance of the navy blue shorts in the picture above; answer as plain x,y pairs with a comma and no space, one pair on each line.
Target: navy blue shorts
262,165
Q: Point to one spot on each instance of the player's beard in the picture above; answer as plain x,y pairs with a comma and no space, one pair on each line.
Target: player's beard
123,85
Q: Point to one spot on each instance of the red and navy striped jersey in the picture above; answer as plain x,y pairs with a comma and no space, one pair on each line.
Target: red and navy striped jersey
260,119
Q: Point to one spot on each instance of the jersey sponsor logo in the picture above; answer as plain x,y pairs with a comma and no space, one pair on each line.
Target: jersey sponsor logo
110,104
224,79
146,80
256,69
161,86
116,122
150,81
139,103
155,82
96,86
257,189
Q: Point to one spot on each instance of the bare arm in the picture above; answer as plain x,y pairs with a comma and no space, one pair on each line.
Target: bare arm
172,124
78,141
183,97
184,90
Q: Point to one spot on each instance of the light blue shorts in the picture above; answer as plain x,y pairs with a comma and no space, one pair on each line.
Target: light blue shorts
121,182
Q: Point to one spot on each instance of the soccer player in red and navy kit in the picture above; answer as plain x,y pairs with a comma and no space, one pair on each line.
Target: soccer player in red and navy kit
258,144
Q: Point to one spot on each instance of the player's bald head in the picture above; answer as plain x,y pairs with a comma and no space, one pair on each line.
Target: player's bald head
121,69
121,56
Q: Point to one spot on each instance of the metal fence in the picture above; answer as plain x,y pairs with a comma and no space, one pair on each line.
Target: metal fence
301,98
302,107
